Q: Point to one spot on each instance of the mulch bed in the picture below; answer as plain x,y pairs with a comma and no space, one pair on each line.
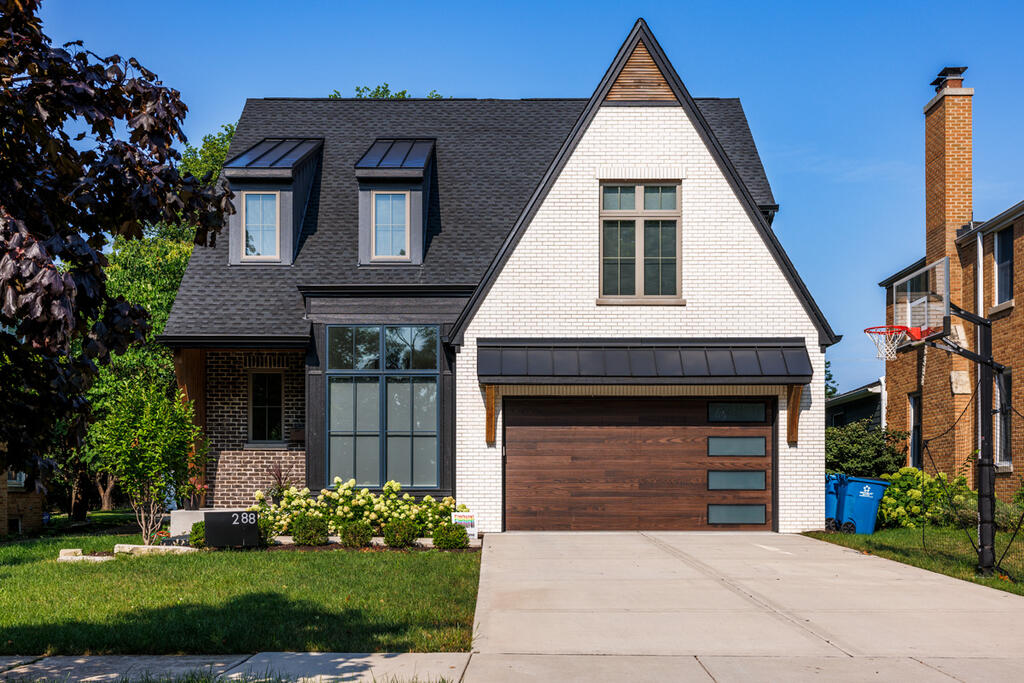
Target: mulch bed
291,547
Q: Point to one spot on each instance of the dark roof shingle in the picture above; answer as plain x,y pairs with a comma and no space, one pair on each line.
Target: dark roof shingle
502,144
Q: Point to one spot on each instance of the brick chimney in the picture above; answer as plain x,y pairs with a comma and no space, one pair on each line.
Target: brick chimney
948,168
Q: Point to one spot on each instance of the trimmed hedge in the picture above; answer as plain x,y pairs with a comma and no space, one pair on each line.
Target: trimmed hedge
401,533
309,530
451,537
356,534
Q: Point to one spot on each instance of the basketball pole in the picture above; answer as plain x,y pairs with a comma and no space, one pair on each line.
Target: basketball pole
986,463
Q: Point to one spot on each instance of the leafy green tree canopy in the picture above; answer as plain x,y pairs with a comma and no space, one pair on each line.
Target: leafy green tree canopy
62,197
382,92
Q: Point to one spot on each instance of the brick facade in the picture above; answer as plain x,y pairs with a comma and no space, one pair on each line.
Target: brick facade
237,469
731,284
949,207
24,506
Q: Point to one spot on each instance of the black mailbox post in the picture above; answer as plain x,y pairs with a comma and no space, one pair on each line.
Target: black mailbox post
232,529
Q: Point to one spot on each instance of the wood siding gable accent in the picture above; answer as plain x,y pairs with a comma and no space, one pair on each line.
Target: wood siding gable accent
641,80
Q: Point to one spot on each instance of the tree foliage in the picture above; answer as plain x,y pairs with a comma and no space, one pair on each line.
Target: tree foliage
88,156
146,440
382,92
860,451
831,388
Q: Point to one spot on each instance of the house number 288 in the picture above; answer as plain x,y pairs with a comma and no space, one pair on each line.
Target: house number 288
243,518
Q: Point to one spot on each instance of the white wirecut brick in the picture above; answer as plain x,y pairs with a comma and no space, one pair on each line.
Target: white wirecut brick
731,284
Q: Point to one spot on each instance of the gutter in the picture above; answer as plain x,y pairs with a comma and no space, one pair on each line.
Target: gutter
996,223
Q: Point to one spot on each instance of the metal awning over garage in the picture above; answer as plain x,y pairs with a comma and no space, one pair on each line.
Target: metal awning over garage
644,361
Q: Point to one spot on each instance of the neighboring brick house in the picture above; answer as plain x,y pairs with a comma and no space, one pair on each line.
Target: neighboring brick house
928,408
21,510
570,314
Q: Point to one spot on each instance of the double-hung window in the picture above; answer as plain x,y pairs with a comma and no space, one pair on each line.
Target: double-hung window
640,241
382,405
1004,265
266,406
390,226
261,226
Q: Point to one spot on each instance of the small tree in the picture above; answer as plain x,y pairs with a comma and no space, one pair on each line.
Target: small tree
858,450
146,441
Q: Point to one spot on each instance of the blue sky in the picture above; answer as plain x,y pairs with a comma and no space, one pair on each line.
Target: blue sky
833,91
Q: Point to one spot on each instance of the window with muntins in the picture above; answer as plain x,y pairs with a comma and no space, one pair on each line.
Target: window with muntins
390,226
260,226
1004,265
266,407
640,241
382,405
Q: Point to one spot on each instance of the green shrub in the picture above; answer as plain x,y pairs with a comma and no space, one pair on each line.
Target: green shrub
355,534
450,536
267,530
197,535
914,498
401,533
309,530
858,450
346,503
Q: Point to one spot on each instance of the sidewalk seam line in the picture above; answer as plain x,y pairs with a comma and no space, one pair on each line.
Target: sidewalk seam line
465,668
710,675
245,658
743,592
934,668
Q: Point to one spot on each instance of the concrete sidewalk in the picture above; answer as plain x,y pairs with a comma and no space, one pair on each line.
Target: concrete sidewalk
297,666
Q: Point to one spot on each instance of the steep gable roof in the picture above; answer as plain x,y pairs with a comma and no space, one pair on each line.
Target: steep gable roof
641,34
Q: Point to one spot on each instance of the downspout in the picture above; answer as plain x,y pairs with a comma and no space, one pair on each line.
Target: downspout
979,307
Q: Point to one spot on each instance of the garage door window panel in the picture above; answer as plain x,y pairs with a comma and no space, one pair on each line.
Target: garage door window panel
383,417
737,480
737,446
736,514
737,411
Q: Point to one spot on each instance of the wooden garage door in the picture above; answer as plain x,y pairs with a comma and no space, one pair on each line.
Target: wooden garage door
638,463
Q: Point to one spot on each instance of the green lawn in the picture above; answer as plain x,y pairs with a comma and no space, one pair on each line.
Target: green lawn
947,551
244,601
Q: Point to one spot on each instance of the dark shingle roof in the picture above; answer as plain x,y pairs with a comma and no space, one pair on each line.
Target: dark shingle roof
490,156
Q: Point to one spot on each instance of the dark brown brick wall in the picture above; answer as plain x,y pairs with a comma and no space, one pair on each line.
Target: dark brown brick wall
235,471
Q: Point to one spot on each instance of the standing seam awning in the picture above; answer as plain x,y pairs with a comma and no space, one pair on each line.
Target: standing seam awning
644,361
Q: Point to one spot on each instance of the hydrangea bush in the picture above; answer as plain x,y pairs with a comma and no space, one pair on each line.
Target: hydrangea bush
915,497
347,503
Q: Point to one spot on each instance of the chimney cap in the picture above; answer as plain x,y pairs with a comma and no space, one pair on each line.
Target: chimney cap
955,72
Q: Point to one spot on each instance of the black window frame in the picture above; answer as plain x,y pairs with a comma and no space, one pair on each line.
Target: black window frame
745,437
764,513
763,473
1003,256
251,439
383,373
765,418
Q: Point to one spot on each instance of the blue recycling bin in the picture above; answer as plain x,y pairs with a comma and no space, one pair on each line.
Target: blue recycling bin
860,504
834,488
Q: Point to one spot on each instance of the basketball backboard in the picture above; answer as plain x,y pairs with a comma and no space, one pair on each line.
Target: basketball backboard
921,302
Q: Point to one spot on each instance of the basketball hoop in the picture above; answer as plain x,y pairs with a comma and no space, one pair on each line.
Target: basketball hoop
888,339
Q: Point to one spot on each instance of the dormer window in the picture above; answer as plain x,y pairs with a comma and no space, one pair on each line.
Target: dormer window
390,226
261,226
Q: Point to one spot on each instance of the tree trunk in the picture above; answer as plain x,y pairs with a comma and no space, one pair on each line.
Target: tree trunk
105,487
79,498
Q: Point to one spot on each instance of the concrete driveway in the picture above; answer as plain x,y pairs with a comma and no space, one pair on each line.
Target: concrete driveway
729,606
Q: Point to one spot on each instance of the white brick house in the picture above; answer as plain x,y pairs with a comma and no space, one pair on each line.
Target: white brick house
617,337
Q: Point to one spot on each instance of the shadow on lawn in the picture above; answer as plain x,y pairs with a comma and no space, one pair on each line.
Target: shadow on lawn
251,623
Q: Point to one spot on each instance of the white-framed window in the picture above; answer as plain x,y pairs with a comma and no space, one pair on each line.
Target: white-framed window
261,226
389,225
640,241
266,406
16,480
1004,265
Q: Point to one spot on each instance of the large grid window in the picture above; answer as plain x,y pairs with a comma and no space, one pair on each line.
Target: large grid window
260,223
639,241
1004,265
382,405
